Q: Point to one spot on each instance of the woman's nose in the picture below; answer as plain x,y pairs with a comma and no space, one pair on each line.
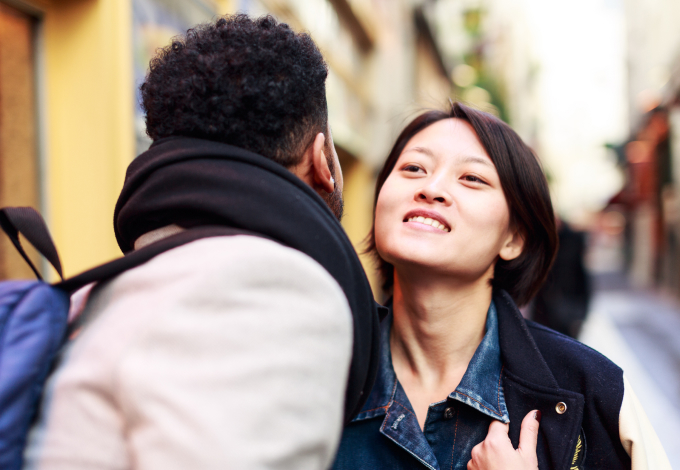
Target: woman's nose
433,193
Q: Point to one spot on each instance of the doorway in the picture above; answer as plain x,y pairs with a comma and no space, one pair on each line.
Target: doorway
18,131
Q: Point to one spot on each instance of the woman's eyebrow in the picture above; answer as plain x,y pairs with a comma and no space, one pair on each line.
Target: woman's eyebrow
471,159
423,150
466,159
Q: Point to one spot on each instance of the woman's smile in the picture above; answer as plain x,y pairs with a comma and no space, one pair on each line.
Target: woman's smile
464,230
421,219
442,205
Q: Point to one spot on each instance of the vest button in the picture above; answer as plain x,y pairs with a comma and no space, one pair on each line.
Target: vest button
448,413
561,408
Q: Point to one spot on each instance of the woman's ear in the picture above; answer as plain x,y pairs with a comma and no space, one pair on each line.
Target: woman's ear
513,246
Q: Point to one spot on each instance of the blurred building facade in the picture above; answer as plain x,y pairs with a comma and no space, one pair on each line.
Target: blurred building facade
650,199
70,120
556,73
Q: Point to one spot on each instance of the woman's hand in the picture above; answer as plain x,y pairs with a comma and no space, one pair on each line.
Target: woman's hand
496,451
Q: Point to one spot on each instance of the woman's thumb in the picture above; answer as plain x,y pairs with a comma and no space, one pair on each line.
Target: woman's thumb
528,435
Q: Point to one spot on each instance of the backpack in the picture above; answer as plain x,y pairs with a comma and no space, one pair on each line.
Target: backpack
34,320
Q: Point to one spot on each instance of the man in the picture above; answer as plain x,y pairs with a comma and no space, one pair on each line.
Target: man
233,350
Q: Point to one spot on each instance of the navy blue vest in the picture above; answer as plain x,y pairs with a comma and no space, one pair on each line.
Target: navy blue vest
578,391
546,370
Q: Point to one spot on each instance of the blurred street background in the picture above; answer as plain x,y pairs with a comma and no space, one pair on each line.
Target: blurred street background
592,85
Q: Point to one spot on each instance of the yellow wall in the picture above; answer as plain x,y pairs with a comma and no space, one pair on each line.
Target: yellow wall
89,126
359,184
89,138
225,6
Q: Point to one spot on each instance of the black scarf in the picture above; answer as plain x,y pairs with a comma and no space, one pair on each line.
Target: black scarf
193,182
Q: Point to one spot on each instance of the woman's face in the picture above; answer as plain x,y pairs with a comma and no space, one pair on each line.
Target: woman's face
442,208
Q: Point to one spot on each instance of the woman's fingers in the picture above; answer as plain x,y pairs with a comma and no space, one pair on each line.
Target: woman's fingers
497,453
528,435
498,432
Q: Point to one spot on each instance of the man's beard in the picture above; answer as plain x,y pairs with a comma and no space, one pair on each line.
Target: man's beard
333,200
335,203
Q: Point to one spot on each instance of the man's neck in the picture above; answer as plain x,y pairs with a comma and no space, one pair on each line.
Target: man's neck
156,235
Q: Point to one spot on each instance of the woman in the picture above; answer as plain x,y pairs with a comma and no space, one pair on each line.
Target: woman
464,232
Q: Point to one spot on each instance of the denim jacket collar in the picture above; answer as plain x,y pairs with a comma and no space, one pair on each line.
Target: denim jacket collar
479,388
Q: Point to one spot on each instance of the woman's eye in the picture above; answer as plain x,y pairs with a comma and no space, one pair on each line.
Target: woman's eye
412,168
473,179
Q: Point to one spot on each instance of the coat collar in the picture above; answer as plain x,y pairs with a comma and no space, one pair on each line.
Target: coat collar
195,182
479,388
529,384
519,355
519,352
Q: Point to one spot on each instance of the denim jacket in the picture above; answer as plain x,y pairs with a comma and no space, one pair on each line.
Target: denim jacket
579,392
453,425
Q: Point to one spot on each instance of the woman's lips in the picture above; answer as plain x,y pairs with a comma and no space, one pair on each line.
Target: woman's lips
427,218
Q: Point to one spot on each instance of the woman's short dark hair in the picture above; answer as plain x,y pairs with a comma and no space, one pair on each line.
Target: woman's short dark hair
525,189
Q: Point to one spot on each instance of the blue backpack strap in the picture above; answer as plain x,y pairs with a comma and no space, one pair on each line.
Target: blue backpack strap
33,322
29,223
142,255
34,317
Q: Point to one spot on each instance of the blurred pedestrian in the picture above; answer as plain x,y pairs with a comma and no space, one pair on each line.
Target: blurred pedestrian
563,301
229,352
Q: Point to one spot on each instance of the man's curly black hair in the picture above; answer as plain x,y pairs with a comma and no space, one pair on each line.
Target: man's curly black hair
252,83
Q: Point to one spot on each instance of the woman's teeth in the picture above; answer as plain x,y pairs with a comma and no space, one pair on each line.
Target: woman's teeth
427,221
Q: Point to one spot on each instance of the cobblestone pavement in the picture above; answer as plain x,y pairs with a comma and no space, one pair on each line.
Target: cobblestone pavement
640,331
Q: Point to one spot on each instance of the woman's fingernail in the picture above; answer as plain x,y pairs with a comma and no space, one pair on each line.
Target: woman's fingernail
537,415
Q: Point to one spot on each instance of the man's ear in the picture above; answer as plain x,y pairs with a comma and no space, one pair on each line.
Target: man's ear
313,167
322,177
513,246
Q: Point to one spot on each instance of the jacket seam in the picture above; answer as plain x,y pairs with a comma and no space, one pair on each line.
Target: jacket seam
480,403
498,395
378,408
389,403
382,430
453,447
406,409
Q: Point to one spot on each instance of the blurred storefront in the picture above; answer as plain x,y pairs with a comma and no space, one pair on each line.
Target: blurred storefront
76,122
650,199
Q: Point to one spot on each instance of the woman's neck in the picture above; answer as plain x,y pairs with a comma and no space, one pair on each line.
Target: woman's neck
437,327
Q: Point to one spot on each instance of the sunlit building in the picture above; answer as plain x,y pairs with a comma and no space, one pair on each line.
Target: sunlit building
70,120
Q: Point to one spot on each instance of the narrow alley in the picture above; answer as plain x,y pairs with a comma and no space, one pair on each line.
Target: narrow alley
640,331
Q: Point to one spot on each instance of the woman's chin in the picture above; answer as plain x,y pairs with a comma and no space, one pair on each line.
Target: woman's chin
423,253
413,255
431,265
